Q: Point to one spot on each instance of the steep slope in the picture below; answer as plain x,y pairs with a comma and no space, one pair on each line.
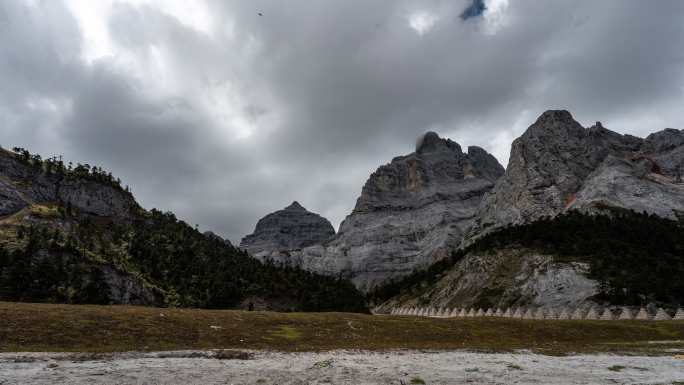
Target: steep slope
26,179
289,229
76,236
411,212
557,165
624,258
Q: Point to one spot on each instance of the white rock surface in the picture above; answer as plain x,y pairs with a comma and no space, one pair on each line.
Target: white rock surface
341,367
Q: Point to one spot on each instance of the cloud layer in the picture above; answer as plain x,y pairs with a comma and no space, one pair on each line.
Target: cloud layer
220,114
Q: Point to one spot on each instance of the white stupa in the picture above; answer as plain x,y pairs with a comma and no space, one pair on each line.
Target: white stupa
518,313
661,315
626,314
592,314
642,315
577,314
565,314
607,315
679,316
529,314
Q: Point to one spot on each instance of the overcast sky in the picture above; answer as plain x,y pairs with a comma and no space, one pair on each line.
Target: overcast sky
223,111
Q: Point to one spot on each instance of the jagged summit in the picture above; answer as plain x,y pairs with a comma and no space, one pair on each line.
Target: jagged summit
558,165
432,142
411,212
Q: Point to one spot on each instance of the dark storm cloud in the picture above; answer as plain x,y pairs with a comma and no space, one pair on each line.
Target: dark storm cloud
225,119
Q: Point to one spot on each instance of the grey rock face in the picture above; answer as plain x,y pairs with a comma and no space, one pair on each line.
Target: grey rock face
278,234
22,185
558,165
411,212
127,289
507,278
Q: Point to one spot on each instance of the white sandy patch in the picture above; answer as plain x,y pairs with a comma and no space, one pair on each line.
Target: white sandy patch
340,367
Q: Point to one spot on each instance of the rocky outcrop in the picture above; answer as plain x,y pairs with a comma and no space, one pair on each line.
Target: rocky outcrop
22,185
285,231
127,289
411,212
510,277
557,165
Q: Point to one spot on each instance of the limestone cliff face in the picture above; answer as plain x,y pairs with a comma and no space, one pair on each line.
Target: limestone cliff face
504,278
411,212
21,185
558,165
284,231
555,166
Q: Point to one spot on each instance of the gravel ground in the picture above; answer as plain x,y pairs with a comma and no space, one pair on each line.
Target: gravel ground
337,367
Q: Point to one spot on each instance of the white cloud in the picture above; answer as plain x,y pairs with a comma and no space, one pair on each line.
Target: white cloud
422,21
495,15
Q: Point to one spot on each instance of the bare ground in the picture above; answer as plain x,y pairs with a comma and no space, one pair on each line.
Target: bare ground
337,367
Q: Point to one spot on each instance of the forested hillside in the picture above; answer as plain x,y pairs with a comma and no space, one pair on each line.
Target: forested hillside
66,237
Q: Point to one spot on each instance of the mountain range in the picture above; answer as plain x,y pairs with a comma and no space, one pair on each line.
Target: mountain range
579,215
433,209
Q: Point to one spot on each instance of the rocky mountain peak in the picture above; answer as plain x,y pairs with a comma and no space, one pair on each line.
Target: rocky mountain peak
411,212
556,125
558,165
282,231
431,142
295,206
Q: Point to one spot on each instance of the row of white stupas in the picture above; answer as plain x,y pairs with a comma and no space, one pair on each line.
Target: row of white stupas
590,313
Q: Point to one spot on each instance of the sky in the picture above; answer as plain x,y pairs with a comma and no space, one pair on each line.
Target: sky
224,111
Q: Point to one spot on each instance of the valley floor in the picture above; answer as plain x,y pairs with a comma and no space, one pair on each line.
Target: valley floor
338,367
144,345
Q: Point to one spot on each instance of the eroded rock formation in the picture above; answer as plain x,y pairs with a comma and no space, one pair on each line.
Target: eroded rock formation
278,234
557,165
411,212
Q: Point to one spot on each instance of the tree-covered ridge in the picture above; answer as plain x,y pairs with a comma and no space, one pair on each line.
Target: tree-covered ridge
54,251
56,166
184,267
636,258
205,272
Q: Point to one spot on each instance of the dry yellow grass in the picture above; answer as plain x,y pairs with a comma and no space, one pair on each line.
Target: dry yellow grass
90,328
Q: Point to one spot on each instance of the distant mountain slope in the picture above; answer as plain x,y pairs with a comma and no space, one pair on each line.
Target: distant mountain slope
411,212
623,258
280,232
557,165
74,235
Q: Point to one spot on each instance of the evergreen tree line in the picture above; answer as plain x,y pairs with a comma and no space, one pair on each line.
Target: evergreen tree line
637,258
55,166
191,269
